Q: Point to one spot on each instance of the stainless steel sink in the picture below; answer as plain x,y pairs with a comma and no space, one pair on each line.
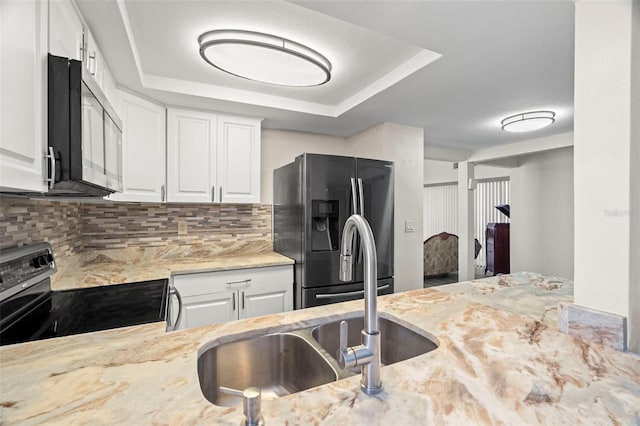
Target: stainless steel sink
397,343
279,364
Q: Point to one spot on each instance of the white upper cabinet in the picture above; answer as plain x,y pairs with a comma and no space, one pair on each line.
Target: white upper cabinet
65,30
239,153
191,156
143,149
23,95
212,158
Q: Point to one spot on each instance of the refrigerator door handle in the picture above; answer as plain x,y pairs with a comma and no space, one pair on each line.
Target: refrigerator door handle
354,203
361,196
348,293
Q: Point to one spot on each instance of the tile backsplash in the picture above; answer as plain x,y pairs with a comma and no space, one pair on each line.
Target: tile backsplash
73,227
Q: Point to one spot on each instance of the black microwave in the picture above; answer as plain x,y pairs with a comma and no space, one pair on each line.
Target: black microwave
84,133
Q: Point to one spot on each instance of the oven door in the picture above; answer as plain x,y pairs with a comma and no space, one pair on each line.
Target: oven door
26,316
341,293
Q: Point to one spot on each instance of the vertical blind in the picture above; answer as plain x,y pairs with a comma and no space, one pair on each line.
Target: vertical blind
488,194
441,209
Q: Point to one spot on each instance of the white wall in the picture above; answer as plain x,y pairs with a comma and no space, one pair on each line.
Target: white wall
280,147
436,171
603,155
404,146
542,214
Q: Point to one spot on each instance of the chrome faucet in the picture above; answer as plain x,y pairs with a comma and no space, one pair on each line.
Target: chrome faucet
366,355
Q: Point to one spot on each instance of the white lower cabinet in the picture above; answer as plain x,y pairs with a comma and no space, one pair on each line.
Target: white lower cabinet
213,297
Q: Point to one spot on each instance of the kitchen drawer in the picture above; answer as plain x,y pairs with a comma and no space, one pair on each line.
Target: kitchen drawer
212,282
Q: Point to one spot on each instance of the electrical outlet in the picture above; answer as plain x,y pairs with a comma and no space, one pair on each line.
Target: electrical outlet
409,226
182,227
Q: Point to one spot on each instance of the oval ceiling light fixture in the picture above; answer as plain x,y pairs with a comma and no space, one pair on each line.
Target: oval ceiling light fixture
528,121
264,57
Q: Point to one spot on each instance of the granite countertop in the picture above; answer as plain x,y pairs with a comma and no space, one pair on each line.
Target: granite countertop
110,267
492,366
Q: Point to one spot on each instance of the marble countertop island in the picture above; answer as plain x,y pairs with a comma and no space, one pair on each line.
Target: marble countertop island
503,364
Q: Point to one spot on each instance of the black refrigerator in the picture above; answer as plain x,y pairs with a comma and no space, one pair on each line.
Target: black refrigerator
312,199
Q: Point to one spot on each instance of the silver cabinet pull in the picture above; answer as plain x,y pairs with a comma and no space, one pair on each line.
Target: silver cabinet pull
220,193
245,282
234,301
174,291
213,194
162,193
349,293
243,297
52,163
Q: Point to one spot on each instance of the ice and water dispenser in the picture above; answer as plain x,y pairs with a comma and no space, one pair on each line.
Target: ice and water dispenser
325,225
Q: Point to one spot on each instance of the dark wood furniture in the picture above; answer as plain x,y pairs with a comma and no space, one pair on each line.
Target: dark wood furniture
497,238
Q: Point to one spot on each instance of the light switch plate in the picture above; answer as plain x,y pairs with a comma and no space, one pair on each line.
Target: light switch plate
409,226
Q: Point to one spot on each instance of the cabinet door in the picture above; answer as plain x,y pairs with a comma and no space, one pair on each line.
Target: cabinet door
23,97
207,309
65,30
143,149
239,159
191,156
271,292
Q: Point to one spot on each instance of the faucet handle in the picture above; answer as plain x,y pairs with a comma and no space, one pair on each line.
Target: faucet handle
344,335
346,355
251,403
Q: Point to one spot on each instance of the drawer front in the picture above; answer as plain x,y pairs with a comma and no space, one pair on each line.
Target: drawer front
213,282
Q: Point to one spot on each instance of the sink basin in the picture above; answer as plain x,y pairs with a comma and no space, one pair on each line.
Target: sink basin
280,364
397,342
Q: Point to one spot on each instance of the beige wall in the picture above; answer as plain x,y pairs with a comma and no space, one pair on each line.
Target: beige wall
404,146
280,147
542,213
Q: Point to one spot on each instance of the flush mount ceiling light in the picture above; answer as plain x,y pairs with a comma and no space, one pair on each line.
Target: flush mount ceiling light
528,121
264,57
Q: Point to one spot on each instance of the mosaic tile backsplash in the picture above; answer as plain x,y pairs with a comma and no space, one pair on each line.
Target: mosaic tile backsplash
75,227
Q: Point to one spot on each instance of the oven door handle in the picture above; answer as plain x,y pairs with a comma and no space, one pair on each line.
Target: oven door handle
347,294
174,291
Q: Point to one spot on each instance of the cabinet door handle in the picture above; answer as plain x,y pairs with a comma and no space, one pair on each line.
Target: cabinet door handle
213,194
246,282
162,193
243,300
220,193
234,301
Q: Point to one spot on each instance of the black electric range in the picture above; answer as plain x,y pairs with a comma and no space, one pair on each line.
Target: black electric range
29,310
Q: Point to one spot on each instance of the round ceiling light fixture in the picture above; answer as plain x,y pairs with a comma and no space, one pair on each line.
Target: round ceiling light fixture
528,121
264,57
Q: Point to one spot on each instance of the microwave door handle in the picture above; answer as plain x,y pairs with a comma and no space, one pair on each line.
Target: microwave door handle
52,165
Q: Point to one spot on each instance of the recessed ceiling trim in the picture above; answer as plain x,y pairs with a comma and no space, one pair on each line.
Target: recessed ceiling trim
223,93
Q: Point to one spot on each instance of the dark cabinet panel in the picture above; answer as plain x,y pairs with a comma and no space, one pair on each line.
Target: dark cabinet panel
497,242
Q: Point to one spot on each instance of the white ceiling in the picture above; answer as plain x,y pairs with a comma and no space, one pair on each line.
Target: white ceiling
454,68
